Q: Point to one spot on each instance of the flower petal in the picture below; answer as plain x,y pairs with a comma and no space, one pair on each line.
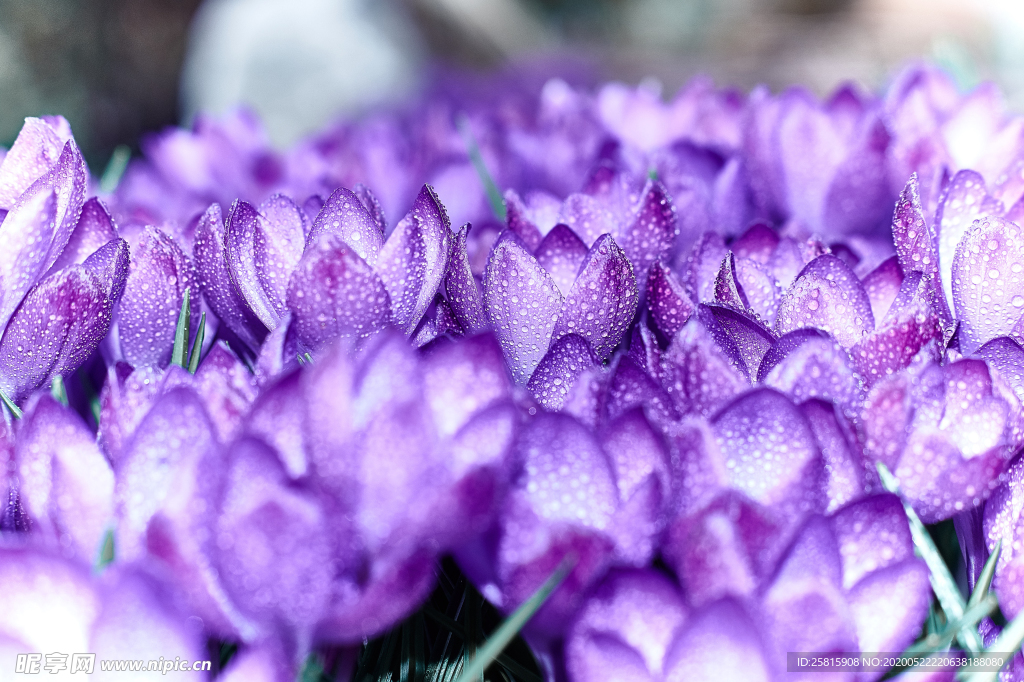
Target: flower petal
603,299
698,374
652,235
334,293
227,388
413,261
667,300
847,476
462,378
962,202
523,305
240,239
166,492
371,204
34,152
988,281
66,483
519,222
882,285
218,288
873,534
387,592
346,216
588,217
49,604
827,295
890,605
462,288
808,588
630,386
1006,357
157,278
917,247
725,548
907,329
278,245
815,366
625,628
94,229
859,197
165,450
277,416
702,266
57,327
273,546
770,451
762,291
946,469
559,369
126,397
743,335
728,290
1002,521
560,454
139,618
719,642
561,253
109,263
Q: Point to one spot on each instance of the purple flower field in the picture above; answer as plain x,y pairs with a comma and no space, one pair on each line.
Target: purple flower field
730,367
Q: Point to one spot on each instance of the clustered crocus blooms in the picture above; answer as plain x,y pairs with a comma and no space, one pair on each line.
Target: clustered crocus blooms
673,356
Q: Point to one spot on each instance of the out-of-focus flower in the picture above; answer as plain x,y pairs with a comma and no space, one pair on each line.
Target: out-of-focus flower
52,605
639,625
599,502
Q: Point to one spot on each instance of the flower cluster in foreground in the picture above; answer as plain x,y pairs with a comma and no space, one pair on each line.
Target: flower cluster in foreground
674,356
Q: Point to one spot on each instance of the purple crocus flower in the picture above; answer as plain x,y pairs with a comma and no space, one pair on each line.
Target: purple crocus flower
61,487
693,338
184,171
822,165
334,277
292,528
699,113
50,605
600,502
62,266
640,625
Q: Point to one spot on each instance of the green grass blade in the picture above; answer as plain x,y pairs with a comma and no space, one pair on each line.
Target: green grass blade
15,410
1009,641
941,640
58,390
106,553
404,670
181,333
197,345
494,197
503,660
511,627
985,579
419,649
943,585
312,669
115,169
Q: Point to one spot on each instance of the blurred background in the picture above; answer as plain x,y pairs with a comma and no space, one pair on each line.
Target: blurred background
118,69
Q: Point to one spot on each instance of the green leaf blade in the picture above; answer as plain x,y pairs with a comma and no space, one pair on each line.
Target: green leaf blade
179,353
197,346
942,581
488,653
